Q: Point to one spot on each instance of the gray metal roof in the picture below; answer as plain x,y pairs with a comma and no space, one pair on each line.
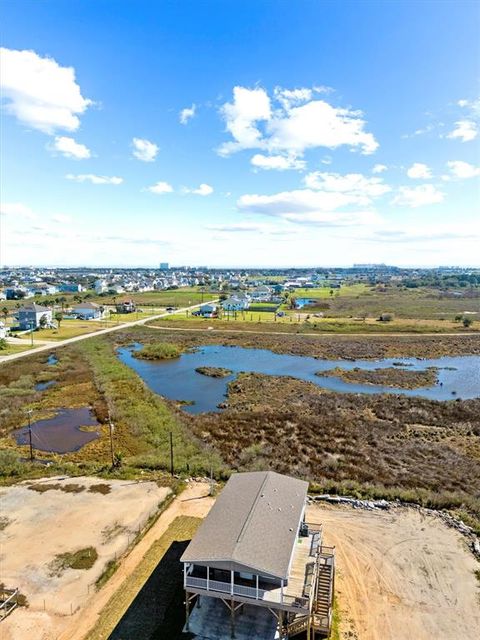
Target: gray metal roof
253,523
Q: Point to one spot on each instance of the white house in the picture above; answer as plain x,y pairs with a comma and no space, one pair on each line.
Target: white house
208,310
30,316
3,331
87,311
236,304
261,294
100,286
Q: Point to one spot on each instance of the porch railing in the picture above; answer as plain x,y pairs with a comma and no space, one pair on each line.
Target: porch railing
275,597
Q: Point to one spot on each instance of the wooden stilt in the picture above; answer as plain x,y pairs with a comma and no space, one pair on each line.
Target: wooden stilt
232,619
187,610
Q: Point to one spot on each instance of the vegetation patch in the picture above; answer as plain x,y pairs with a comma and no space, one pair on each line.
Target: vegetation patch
371,446
66,488
214,372
4,522
78,560
387,377
158,351
100,488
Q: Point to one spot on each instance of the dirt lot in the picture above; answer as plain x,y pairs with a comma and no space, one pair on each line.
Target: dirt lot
42,525
401,575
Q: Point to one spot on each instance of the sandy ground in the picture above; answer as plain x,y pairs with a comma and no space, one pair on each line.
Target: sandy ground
401,575
42,525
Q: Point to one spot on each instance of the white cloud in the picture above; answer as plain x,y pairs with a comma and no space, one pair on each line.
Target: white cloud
187,114
298,122
160,187
251,227
17,210
461,170
306,206
420,196
465,130
90,177
379,168
39,92
202,190
419,171
144,150
279,163
62,218
472,105
249,106
69,148
361,188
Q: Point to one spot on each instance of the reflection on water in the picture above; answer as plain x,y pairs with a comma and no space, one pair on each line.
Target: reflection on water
458,377
62,433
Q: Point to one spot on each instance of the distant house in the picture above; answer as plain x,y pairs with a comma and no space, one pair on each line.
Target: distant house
30,316
3,331
127,306
3,295
100,286
235,304
254,553
18,293
208,310
70,287
87,311
261,294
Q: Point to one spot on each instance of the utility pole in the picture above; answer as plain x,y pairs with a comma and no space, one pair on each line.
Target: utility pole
171,453
29,413
111,440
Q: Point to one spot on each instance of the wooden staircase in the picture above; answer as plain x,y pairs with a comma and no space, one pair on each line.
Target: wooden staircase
323,599
320,617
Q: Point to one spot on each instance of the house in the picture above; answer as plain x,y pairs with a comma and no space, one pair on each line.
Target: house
87,311
18,293
254,551
208,310
235,304
30,316
127,306
3,331
100,286
261,294
3,295
70,287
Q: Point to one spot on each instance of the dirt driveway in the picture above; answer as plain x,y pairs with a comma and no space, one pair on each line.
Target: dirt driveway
401,575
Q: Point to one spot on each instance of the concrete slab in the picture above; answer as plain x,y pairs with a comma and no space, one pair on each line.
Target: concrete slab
212,622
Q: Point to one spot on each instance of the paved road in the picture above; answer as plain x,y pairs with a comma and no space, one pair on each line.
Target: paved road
325,334
60,343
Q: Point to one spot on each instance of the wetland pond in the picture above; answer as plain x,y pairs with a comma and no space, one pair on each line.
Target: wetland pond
61,434
457,376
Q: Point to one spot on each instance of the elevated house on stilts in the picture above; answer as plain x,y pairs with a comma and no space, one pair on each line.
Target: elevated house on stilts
255,553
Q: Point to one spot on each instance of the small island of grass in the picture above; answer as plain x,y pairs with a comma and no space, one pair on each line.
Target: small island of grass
158,351
388,377
214,372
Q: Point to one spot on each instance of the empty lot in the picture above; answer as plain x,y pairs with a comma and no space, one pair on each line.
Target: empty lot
401,575
41,525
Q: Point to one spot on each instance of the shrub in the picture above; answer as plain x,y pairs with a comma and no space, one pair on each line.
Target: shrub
158,351
10,464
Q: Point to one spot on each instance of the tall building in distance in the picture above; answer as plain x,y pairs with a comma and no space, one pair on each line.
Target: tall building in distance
163,266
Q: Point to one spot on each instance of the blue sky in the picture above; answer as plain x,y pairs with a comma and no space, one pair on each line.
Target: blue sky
240,133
